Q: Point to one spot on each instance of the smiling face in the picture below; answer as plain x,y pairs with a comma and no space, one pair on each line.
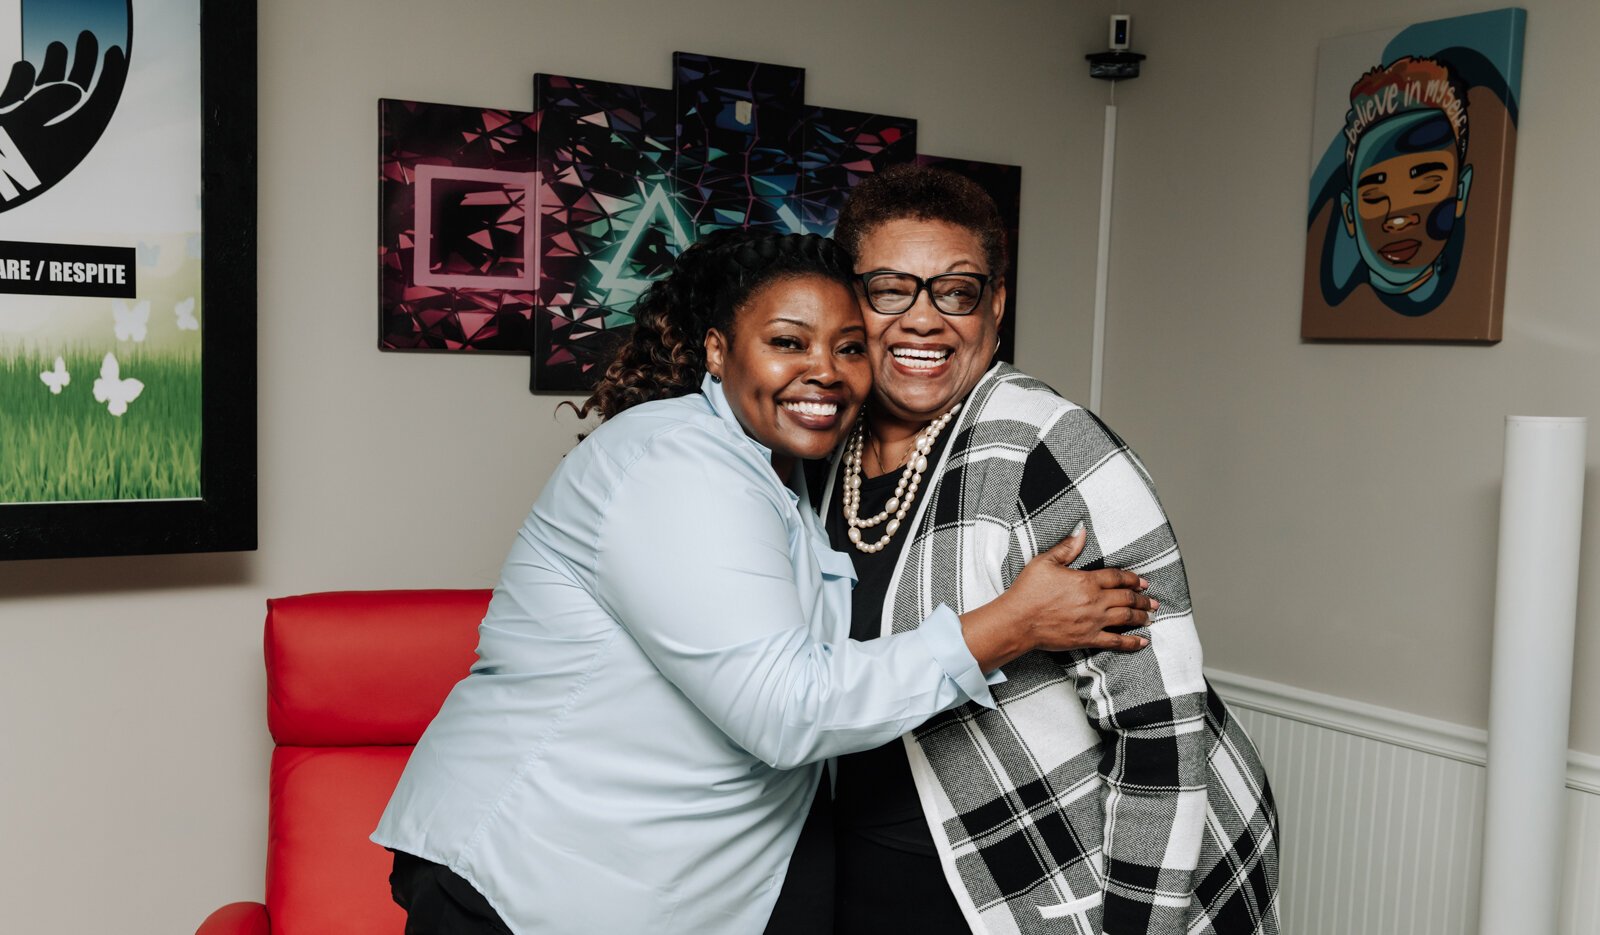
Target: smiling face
923,361
795,368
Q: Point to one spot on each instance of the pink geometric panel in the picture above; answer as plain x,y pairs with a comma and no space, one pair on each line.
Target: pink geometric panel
506,199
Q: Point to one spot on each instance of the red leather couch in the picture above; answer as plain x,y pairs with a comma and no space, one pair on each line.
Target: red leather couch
353,677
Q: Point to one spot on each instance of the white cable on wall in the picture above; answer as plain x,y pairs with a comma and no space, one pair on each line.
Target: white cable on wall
1103,260
1530,695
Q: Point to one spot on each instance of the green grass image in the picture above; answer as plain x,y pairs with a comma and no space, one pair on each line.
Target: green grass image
69,447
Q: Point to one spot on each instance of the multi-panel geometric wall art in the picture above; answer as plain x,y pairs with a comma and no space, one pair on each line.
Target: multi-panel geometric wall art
536,232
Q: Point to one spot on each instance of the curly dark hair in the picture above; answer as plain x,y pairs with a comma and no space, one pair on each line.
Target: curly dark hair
664,355
923,193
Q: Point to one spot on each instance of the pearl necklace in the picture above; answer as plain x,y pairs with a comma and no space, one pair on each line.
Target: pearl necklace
904,492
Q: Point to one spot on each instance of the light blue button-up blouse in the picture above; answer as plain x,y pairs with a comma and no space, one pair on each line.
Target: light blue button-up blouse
663,668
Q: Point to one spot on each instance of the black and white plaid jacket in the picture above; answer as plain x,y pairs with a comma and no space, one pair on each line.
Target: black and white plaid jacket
1108,793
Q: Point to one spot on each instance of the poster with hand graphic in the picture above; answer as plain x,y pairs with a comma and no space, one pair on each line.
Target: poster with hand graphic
114,438
100,250
1413,152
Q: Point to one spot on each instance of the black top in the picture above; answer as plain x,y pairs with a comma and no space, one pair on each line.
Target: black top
874,794
875,866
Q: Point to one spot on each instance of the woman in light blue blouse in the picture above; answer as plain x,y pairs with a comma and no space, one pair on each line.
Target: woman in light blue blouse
665,664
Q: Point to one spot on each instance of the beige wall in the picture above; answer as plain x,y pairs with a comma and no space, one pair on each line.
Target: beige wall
133,749
1338,504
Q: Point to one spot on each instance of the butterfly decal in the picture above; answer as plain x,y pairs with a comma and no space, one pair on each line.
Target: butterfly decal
114,391
57,377
186,319
131,323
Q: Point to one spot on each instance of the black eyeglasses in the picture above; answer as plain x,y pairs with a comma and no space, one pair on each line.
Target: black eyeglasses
891,292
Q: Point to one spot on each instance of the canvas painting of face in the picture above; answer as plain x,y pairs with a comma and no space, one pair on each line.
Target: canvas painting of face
1413,148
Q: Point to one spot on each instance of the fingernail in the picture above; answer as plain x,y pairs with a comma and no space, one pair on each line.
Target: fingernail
1143,584
1155,604
1077,530
1143,642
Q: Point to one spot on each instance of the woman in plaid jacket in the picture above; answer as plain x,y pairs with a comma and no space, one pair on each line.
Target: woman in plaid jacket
1105,793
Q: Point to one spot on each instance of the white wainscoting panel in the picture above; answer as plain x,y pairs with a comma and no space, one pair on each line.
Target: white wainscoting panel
1381,816
1580,901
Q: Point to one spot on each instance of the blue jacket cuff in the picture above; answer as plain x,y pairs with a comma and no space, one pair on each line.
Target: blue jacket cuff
941,630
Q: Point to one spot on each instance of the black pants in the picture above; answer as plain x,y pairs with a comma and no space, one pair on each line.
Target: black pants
887,888
437,901
805,902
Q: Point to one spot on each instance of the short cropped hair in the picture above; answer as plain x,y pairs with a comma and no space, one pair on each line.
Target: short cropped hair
923,193
1406,85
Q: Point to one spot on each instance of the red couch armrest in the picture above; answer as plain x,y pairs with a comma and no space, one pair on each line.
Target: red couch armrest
237,919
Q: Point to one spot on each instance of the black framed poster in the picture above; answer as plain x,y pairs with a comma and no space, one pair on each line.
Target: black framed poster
127,277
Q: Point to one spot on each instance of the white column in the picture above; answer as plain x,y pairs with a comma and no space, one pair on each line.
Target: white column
1097,357
1530,697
